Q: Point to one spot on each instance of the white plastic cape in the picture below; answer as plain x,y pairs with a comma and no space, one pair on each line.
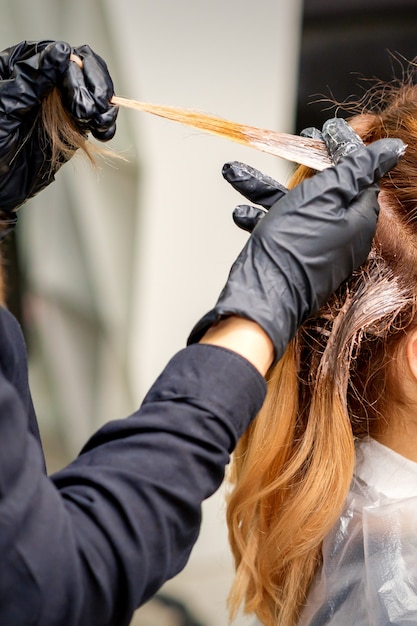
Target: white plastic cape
369,573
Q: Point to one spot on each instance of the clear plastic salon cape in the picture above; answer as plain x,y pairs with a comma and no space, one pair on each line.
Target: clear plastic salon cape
369,572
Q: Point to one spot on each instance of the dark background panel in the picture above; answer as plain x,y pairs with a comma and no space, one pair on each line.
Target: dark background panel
344,42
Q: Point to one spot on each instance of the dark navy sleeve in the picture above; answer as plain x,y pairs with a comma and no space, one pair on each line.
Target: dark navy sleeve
13,362
90,544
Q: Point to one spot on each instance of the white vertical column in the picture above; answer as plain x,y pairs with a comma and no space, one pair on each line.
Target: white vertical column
234,59
237,60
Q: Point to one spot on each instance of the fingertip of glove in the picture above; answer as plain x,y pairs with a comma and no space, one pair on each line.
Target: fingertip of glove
237,172
390,145
103,126
388,152
105,134
370,163
59,53
312,133
241,209
340,139
231,167
62,47
225,168
243,216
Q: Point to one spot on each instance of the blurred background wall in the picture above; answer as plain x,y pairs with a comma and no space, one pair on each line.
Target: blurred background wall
345,46
109,270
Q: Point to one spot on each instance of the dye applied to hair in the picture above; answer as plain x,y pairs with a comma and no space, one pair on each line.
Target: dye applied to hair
301,150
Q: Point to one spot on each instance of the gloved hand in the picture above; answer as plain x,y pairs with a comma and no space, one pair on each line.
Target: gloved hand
86,93
28,73
340,140
307,244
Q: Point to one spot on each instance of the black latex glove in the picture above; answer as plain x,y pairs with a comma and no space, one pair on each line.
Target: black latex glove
340,140
255,187
86,93
28,72
307,244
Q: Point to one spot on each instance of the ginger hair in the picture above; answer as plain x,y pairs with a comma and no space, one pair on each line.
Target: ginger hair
65,136
292,469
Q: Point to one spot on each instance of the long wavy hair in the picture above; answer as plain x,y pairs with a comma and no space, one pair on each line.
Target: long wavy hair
292,469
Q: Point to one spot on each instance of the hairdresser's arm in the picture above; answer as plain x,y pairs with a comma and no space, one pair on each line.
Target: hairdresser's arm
28,73
244,337
101,536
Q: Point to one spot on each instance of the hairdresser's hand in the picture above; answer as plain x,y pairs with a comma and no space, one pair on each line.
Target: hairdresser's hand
28,73
307,244
87,90
340,140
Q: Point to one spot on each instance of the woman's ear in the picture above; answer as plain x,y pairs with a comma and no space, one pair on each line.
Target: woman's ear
412,353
